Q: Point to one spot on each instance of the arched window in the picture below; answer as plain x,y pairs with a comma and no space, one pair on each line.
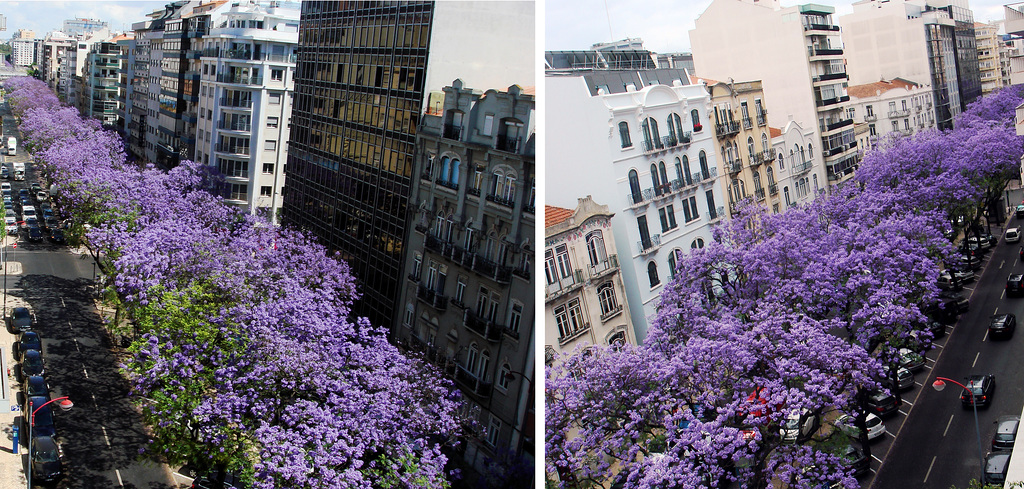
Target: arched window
624,134
485,364
673,261
652,274
771,176
654,179
697,244
810,151
455,171
676,124
815,183
596,249
606,296
737,196
703,158
664,176
634,186
764,142
651,136
803,157
750,147
445,169
504,376
757,180
695,119
679,172
686,171
498,182
785,191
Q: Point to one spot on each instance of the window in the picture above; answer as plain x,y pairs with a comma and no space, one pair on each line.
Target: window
785,191
488,125
698,243
595,248
634,187
750,145
703,158
569,319
276,74
606,296
515,316
870,111
906,124
673,262
460,289
562,257
652,274
408,315
652,139
624,135
270,145
764,142
266,190
503,376
686,171
895,126
268,168
272,122
275,99
654,179
871,129
668,218
695,119
712,210
690,209
851,113
417,264
493,430
238,191
675,126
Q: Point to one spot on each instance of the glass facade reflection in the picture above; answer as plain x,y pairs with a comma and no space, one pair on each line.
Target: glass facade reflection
358,92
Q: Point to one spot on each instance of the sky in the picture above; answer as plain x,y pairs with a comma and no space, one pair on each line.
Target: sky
664,25
45,16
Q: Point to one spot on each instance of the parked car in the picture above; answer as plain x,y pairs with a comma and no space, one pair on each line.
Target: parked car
30,362
43,419
854,458
20,319
970,262
983,387
986,240
968,248
41,196
1006,432
57,235
47,213
1002,326
1012,235
35,234
1020,211
904,379
5,172
46,459
996,466
1015,285
947,281
848,424
910,360
28,340
35,187
882,403
800,426
23,193
954,302
35,386
208,481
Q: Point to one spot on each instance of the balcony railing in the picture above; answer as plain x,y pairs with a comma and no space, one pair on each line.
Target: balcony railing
759,194
705,177
762,118
893,114
235,126
801,167
669,141
651,146
506,143
836,125
830,76
734,166
507,201
773,189
649,245
727,128
605,316
747,122
833,101
820,51
237,149
715,214
446,183
870,118
432,298
228,102
604,266
564,285
821,27
239,79
470,383
451,131
487,329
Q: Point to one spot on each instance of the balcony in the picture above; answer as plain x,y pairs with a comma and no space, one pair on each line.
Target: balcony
605,266
728,128
506,143
669,141
773,189
759,194
432,243
870,118
705,177
612,313
237,149
234,126
482,326
640,198
836,125
240,103
432,298
747,122
821,27
563,285
800,167
469,382
832,101
894,114
499,273
239,79
190,117
652,146
649,245
507,201
451,131
447,183
715,214
823,51
734,166
830,76
762,118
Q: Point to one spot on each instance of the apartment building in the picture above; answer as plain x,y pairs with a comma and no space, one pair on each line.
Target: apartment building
799,59
585,297
246,70
100,75
989,65
364,79
891,107
23,52
801,170
1014,25
933,47
82,27
468,300
645,141
49,52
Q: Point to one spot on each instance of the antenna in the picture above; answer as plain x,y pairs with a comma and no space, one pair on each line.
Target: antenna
608,14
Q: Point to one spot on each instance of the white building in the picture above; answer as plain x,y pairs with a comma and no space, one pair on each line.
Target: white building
797,54
896,106
248,66
642,142
584,307
801,173
23,52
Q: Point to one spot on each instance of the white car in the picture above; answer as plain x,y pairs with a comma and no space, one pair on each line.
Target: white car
848,424
800,426
12,229
1012,235
5,186
41,196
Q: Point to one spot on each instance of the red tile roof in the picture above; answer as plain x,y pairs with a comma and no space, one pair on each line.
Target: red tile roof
774,132
554,215
873,89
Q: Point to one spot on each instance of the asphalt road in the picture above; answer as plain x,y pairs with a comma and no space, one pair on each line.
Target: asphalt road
102,435
937,445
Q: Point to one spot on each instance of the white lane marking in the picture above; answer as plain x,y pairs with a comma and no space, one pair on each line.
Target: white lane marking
976,355
94,400
85,372
876,458
997,309
1001,264
76,345
1003,295
105,437
936,345
985,338
903,413
119,481
62,302
950,422
926,474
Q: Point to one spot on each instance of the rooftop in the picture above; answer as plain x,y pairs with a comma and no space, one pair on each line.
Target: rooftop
555,215
879,87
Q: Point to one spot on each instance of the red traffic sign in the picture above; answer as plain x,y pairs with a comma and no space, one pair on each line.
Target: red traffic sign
15,245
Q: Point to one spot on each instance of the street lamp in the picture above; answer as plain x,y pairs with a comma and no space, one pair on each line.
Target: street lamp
939,385
65,405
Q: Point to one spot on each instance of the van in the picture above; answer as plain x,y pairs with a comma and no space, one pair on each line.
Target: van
12,145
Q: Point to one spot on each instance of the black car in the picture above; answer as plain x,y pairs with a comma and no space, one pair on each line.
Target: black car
57,235
1020,211
210,481
938,329
855,459
35,234
1015,285
968,248
30,363
1006,432
20,320
954,302
982,386
23,193
1002,326
42,424
996,466
882,403
46,459
971,262
35,187
35,386
28,340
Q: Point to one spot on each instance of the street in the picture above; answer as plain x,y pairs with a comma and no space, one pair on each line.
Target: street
936,444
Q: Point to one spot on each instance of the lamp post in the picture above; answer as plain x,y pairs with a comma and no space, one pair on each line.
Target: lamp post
939,384
65,404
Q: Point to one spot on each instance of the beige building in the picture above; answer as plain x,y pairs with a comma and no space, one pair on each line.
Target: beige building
587,305
989,68
895,106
